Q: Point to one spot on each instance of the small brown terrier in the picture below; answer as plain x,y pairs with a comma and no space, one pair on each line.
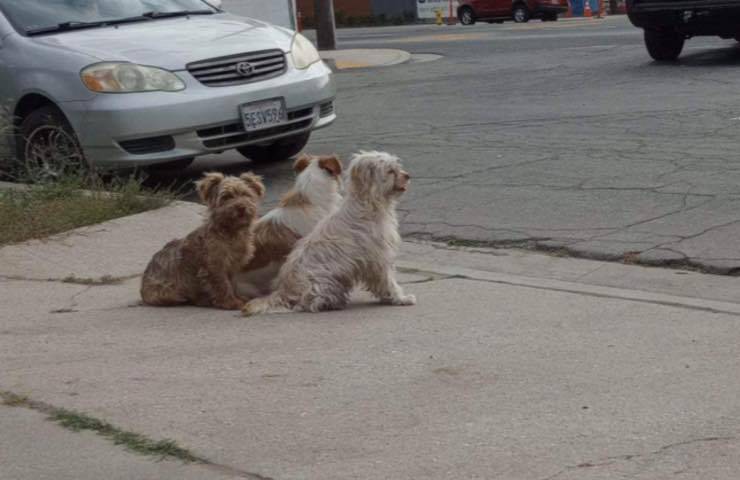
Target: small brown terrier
199,268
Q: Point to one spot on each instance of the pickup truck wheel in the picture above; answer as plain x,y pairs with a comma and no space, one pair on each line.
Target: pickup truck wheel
664,46
467,16
282,149
520,13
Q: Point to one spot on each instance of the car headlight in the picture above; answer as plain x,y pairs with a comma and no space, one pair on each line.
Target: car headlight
303,52
129,78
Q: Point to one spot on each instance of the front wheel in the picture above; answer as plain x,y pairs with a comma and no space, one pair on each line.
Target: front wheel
664,46
48,148
467,17
520,14
282,149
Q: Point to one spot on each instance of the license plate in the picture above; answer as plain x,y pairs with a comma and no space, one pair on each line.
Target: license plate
265,114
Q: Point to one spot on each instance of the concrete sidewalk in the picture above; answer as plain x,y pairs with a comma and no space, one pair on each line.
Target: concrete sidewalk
364,58
513,365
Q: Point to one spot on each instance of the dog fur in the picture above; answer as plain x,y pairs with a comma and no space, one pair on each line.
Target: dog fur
356,245
199,268
314,196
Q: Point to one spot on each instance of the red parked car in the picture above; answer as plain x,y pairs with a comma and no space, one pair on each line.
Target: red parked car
520,11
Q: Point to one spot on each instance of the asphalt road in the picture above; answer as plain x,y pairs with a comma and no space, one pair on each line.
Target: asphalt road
562,136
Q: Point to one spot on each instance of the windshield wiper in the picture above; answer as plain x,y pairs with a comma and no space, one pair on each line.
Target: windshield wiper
67,26
64,26
179,13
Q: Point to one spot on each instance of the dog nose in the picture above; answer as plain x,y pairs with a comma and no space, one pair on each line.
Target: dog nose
405,175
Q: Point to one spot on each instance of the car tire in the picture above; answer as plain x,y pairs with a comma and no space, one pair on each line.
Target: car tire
283,149
467,16
664,46
520,13
48,148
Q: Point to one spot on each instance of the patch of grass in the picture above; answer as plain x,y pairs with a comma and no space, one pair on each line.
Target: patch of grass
6,133
46,209
134,442
78,422
10,399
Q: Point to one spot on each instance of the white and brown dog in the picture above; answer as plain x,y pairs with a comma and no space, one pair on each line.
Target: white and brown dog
356,245
314,196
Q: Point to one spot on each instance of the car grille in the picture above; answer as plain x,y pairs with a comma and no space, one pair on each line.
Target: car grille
143,146
239,69
233,134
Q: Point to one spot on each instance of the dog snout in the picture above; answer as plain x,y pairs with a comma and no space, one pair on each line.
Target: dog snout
244,210
405,175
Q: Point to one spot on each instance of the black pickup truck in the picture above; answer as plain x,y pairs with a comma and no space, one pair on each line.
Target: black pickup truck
668,23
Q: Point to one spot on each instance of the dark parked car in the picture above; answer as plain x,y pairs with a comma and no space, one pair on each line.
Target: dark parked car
668,23
520,11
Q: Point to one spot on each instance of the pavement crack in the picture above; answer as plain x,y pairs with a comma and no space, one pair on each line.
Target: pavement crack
632,457
104,280
134,442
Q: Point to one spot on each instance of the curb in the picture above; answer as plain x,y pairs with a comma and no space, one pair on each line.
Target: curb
711,306
356,59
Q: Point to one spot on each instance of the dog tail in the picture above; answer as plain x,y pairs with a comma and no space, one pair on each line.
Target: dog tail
270,304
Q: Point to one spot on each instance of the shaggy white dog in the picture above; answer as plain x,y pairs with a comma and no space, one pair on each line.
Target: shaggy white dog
356,245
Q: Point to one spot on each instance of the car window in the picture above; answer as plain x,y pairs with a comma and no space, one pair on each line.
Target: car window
38,14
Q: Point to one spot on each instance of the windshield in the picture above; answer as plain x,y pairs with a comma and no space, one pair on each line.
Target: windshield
33,15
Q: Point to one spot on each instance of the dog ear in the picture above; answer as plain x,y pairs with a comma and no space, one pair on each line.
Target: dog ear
302,163
254,182
331,164
207,187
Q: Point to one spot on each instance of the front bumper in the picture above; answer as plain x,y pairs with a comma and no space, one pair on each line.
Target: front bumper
690,17
156,127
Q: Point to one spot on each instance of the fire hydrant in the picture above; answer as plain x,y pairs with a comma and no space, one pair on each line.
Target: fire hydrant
440,16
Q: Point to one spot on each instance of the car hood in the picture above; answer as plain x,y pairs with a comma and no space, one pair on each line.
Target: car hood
173,43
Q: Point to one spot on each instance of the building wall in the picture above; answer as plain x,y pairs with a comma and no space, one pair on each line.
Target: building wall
394,8
349,8
279,12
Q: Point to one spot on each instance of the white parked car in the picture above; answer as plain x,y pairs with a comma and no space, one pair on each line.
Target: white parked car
117,83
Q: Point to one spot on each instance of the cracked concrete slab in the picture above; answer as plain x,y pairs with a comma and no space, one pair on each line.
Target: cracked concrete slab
533,356
31,447
470,383
118,248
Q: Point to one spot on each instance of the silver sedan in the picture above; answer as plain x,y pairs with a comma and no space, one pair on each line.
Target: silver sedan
121,83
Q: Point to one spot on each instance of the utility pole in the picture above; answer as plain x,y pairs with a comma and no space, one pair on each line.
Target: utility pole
326,36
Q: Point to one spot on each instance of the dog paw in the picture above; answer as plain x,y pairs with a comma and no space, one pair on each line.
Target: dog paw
233,305
248,310
404,300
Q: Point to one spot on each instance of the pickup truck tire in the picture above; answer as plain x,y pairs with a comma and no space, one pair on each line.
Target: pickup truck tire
663,46
467,16
520,13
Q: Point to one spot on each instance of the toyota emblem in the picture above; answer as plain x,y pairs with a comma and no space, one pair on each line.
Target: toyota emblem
245,69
